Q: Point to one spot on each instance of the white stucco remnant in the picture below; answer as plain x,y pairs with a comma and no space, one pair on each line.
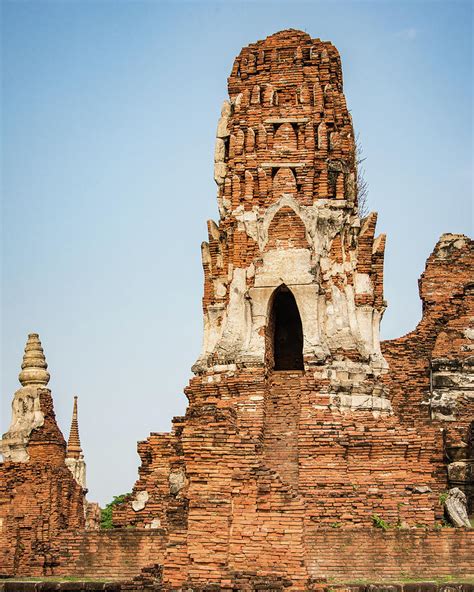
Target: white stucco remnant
235,332
77,466
283,266
26,416
154,524
421,489
450,387
469,333
140,501
449,241
177,480
363,285
222,125
355,402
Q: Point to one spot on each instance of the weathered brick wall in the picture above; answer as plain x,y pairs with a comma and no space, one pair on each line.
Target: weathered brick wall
112,554
431,369
443,291
38,499
249,498
353,467
377,555
37,502
333,553
274,477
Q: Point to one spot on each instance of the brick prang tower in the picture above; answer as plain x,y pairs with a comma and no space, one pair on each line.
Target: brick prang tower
285,166
302,432
290,425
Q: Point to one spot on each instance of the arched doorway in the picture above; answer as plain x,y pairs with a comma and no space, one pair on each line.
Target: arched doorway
284,332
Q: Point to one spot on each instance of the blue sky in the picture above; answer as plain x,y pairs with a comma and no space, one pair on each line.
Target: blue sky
109,112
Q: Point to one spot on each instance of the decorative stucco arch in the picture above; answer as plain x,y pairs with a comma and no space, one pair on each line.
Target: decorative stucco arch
286,200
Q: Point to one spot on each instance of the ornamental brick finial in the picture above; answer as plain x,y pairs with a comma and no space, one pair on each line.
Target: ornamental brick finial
74,449
34,366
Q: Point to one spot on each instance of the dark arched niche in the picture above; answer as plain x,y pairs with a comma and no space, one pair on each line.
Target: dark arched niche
284,334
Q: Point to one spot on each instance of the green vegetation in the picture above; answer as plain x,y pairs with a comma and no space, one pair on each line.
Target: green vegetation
60,579
380,522
106,520
469,579
443,497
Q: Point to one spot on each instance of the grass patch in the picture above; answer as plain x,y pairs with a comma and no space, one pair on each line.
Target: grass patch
60,579
467,579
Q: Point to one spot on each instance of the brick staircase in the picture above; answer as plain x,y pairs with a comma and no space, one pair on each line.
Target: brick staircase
280,438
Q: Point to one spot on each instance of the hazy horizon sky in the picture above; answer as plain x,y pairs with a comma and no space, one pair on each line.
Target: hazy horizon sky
109,111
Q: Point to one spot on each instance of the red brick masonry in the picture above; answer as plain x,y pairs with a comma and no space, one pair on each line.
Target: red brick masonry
302,431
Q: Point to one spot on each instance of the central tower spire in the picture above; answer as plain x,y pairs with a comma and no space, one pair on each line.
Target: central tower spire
286,172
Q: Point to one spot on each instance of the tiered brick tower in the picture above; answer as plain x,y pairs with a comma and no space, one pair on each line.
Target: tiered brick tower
290,426
289,230
301,430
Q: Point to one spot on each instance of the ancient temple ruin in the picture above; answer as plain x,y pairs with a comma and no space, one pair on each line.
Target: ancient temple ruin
303,431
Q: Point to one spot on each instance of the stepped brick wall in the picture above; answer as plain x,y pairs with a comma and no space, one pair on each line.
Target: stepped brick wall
431,369
302,429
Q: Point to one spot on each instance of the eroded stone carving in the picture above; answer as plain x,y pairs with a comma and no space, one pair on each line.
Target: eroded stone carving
455,506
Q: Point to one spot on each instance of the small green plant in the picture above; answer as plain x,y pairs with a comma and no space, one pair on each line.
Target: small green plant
380,522
106,520
443,497
336,525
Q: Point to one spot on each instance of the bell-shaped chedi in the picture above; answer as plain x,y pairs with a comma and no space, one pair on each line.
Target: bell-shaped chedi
34,366
33,433
37,491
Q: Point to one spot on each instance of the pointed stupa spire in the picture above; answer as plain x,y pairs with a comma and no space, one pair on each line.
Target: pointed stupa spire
74,449
33,368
